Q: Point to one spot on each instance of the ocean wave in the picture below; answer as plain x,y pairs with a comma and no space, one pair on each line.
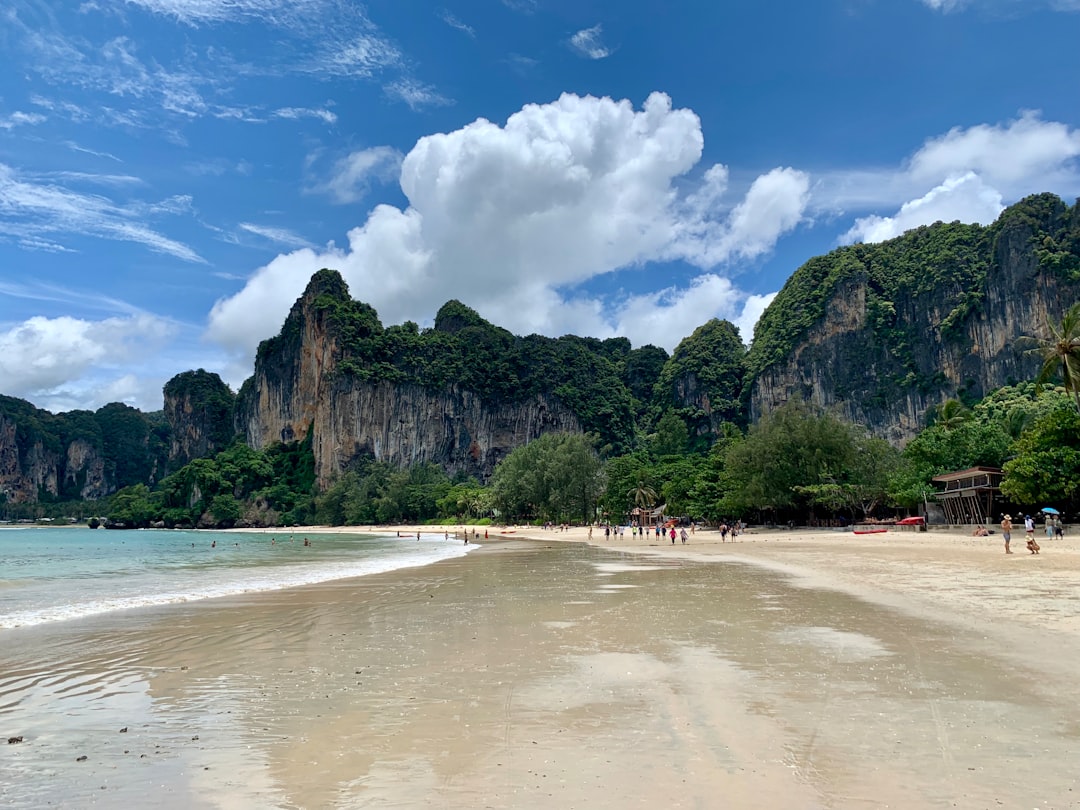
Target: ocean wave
228,582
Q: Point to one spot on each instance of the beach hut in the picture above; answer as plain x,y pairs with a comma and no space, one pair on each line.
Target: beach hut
968,496
648,517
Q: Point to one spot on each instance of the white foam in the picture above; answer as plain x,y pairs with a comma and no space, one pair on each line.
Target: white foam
233,582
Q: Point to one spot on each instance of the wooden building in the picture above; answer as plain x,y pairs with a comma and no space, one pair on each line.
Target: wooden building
968,496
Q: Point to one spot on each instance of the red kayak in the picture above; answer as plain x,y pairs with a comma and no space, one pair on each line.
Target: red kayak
869,531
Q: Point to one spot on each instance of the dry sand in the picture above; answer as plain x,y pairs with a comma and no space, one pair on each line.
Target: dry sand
787,670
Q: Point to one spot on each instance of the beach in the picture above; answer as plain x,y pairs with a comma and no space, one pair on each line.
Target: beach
810,669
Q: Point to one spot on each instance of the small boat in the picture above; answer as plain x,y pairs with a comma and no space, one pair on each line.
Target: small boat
869,531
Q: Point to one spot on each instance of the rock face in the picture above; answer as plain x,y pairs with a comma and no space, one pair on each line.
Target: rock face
32,464
84,471
24,473
199,409
883,353
298,390
78,455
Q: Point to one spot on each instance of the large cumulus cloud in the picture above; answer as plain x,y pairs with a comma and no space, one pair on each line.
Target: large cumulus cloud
967,174
514,219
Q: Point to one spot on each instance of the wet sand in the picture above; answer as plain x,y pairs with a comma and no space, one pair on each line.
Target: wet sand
791,669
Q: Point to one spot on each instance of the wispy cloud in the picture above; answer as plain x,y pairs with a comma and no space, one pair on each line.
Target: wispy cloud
416,94
72,111
281,236
354,174
83,298
522,65
357,56
115,180
35,211
74,147
20,119
306,112
1006,6
282,13
454,22
587,43
522,6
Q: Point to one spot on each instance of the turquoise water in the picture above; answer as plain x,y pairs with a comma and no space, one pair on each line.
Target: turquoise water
60,574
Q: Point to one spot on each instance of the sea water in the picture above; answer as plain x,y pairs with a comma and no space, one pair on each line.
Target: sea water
59,574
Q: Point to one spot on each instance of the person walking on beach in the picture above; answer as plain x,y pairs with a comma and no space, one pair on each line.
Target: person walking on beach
1006,531
683,535
672,535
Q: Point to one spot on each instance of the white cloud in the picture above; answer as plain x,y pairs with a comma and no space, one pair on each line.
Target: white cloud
1012,6
665,317
20,119
966,198
355,173
205,12
751,313
282,236
511,219
454,22
41,358
773,206
1018,157
1008,156
32,209
416,94
323,114
588,43
967,174
523,6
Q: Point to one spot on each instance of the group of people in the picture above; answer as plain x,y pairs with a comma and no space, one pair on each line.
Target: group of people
1053,529
619,531
735,529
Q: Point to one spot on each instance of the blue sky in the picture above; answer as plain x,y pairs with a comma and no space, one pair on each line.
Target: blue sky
173,171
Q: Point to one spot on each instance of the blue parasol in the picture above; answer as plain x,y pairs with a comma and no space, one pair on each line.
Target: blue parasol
1050,510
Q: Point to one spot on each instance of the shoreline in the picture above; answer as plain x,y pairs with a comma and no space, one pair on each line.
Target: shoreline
787,669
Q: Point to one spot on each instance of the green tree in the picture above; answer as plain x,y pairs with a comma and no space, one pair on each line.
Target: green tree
1061,353
132,507
225,510
558,476
704,379
1046,467
671,437
951,414
642,495
795,457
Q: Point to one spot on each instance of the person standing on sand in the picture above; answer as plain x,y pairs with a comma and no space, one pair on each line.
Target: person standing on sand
1006,531
683,535
672,535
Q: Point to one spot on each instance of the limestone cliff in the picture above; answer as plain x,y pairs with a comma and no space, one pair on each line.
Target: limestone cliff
78,455
315,378
882,333
27,468
199,409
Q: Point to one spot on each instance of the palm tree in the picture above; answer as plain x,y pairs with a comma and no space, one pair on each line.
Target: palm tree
644,496
951,414
1061,353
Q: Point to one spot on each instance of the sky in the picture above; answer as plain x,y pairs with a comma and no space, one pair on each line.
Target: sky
172,172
